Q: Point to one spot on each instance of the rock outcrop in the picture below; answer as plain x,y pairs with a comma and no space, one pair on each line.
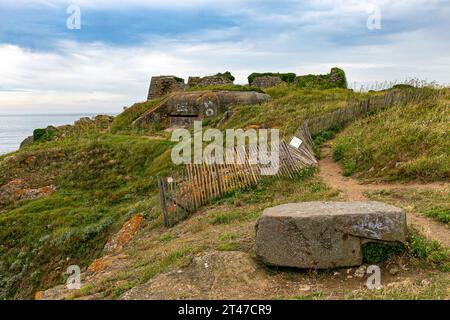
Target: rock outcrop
325,234
17,190
125,234
184,108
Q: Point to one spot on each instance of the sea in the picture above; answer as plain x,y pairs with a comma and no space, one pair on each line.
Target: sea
15,128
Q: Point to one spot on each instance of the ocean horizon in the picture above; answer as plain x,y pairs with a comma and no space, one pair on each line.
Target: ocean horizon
14,128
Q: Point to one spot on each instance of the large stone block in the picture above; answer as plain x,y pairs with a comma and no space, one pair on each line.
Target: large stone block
325,234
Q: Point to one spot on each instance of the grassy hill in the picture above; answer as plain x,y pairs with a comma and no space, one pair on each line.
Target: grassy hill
409,142
103,177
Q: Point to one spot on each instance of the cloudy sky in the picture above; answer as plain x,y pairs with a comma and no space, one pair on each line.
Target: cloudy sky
107,64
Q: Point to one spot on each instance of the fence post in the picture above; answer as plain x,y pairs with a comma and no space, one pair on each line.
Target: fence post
162,196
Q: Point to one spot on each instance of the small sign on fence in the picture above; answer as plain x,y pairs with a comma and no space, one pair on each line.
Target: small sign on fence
296,142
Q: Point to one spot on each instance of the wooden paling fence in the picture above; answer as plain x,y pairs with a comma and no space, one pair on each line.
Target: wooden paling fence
357,110
185,192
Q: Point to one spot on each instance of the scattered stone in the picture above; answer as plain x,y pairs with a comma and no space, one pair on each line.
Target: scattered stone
29,194
399,164
112,162
325,234
425,282
305,288
393,271
360,272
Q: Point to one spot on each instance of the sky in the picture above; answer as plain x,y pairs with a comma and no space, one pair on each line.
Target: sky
46,67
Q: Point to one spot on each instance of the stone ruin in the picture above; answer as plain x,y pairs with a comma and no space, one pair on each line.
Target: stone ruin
182,109
264,82
321,235
163,85
216,80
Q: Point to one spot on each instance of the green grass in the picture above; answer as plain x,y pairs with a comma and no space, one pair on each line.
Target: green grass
439,214
290,107
100,184
430,203
104,178
437,289
226,87
403,143
124,120
428,251
311,296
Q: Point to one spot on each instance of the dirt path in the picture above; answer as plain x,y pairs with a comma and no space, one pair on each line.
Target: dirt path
353,190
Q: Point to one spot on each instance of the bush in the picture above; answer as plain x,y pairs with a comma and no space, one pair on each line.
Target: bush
403,86
339,152
38,133
44,134
226,75
326,135
376,252
178,79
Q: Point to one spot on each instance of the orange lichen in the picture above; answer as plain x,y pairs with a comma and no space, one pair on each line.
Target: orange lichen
125,234
100,264
38,295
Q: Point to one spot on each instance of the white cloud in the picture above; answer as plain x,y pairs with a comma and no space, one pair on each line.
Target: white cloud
85,77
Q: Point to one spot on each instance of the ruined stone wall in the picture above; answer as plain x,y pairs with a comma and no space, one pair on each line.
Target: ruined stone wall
162,85
208,81
266,82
